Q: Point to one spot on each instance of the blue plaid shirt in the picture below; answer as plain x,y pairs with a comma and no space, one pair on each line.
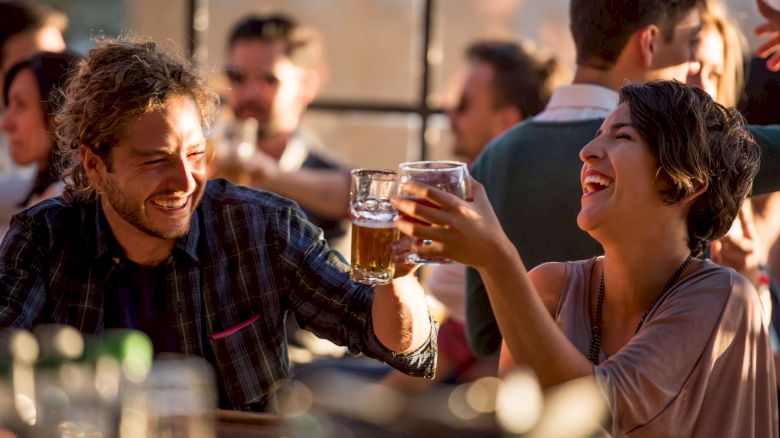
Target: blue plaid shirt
250,258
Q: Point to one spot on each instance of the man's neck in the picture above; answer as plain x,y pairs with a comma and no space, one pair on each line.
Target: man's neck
274,145
613,78
138,246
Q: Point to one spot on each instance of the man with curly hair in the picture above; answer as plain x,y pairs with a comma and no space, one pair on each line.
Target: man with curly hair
141,240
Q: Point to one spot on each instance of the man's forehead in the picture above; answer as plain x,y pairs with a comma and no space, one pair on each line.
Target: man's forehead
254,52
178,121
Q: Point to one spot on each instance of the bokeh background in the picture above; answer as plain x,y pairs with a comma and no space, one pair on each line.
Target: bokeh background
390,65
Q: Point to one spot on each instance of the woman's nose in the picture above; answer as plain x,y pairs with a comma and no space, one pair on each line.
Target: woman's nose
6,121
591,151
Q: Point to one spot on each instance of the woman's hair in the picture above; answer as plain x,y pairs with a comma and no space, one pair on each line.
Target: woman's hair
120,80
715,16
697,143
51,71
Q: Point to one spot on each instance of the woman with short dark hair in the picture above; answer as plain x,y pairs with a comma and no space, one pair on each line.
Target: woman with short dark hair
676,343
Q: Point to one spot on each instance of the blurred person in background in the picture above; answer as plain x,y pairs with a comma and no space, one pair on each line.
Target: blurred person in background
721,74
141,239
25,29
676,344
529,173
762,90
274,73
747,245
505,83
32,97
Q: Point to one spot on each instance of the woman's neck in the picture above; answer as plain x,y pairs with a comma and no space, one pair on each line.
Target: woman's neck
635,273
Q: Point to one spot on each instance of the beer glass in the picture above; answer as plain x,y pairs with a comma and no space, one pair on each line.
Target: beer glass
233,145
373,225
449,176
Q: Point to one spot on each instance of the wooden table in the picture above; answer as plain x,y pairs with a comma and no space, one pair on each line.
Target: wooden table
238,424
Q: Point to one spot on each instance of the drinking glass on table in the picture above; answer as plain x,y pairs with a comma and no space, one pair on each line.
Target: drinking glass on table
449,176
373,225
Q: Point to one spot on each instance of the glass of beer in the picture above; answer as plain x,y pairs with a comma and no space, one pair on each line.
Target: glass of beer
449,176
233,145
373,225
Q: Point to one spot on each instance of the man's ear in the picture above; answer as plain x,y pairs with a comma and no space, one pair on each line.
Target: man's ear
647,37
509,116
93,165
310,86
696,193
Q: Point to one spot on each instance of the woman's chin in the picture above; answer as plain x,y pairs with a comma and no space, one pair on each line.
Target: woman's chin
585,221
21,161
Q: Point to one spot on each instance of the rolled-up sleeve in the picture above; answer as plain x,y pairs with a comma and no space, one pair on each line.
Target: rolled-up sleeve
328,303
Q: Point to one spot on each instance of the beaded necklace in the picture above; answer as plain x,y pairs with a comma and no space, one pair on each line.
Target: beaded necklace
595,340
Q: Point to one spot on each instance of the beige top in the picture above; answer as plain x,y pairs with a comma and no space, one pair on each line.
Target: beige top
701,365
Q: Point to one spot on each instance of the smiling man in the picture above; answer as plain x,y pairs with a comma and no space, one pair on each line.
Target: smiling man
142,240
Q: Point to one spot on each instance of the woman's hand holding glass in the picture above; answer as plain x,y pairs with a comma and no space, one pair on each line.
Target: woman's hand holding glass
464,231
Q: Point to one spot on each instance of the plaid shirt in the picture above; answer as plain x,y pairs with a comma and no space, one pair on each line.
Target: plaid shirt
249,258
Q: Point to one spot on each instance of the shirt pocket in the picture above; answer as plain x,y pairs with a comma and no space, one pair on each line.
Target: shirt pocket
234,329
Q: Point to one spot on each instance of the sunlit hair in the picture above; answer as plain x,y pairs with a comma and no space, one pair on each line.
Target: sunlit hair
523,74
697,142
601,28
18,17
715,16
120,80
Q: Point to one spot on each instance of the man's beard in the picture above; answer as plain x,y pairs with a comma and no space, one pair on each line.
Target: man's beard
131,212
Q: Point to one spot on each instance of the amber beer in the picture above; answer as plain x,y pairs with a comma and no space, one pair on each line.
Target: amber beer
373,225
371,258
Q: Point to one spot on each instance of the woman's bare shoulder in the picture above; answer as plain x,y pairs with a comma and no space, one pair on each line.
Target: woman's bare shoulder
548,279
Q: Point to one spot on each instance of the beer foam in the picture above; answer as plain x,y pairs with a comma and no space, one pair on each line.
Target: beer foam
367,223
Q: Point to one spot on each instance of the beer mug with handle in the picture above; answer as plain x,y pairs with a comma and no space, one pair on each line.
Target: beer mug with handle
373,225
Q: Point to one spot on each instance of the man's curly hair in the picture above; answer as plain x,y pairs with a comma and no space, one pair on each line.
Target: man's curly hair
120,80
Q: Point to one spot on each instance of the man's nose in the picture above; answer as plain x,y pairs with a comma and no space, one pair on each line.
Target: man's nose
255,87
182,175
694,68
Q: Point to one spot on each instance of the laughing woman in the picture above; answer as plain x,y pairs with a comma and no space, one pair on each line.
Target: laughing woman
676,343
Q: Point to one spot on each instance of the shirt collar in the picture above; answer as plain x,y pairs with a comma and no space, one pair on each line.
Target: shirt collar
188,243
583,96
